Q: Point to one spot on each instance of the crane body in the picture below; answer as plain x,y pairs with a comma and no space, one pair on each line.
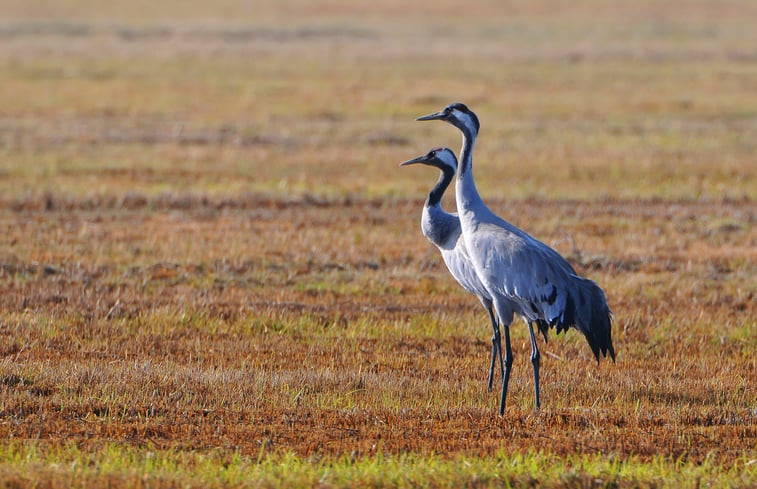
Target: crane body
443,230
522,275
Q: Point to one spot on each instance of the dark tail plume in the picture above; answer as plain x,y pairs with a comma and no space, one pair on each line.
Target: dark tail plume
592,316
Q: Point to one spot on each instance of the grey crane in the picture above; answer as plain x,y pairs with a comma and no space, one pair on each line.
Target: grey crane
443,230
522,275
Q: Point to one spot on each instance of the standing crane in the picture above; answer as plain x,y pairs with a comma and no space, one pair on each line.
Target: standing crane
522,275
443,230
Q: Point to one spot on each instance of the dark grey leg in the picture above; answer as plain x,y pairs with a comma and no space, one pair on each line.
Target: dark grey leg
496,347
534,361
508,364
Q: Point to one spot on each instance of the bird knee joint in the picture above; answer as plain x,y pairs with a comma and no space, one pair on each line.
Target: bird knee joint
535,357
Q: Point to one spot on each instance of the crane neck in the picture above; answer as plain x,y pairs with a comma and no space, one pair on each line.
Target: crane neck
466,153
467,194
445,178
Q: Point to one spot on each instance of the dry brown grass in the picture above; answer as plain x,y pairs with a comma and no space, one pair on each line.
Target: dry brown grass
332,328
205,242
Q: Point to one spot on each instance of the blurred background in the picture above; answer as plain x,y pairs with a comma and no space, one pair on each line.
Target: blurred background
289,98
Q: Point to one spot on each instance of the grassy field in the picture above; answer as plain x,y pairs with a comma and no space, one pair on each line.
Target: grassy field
212,272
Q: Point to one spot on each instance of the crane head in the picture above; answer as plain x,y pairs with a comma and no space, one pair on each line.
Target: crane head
442,158
458,115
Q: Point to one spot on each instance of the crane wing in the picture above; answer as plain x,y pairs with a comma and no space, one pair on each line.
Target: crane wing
543,284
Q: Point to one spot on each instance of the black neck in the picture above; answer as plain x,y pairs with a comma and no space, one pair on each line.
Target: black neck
435,196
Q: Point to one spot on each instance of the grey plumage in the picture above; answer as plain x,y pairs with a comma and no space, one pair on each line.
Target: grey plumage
443,230
521,274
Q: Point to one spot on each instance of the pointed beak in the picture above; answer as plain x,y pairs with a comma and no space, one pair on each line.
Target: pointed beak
432,117
420,159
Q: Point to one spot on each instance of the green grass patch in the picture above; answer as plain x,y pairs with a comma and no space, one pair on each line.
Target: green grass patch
31,463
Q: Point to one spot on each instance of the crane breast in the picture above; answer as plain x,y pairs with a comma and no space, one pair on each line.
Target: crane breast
461,268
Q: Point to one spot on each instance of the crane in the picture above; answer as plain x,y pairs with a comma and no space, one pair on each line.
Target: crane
443,230
522,275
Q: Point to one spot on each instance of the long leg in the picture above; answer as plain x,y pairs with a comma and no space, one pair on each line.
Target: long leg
534,361
496,346
508,364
